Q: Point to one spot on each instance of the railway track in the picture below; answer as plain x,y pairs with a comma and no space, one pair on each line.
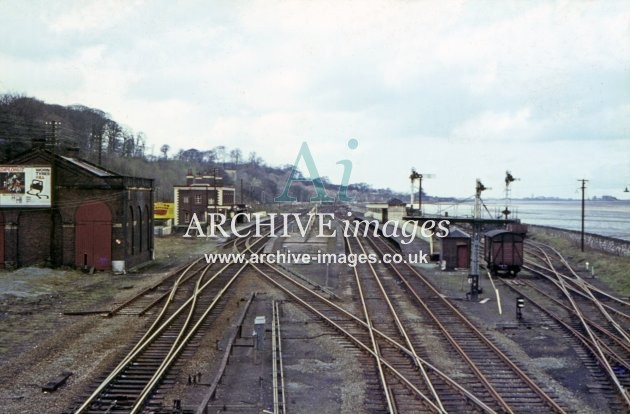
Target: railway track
385,346
596,319
395,359
379,313
506,386
137,383
143,302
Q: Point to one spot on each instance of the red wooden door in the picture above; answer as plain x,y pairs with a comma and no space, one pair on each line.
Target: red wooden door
93,236
462,256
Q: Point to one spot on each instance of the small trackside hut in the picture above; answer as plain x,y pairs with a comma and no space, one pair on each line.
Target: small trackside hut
455,249
69,212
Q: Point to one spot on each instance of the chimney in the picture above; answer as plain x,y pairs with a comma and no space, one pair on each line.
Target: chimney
72,151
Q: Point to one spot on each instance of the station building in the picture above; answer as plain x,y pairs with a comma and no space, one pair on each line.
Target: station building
394,209
63,211
202,195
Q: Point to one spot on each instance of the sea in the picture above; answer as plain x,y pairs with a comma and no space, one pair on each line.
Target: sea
606,218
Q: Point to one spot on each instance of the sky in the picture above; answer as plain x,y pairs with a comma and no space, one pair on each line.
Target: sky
458,89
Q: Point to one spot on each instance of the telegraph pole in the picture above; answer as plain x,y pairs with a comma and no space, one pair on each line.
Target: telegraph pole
53,130
420,194
216,193
582,234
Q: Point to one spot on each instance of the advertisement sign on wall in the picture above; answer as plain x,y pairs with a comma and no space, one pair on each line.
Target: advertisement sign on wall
25,186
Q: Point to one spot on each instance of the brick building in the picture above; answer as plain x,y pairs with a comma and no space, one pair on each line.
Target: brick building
203,194
81,215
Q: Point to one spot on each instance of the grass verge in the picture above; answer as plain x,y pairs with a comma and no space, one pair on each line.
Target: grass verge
612,270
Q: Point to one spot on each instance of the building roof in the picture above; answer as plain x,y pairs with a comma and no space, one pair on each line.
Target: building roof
94,169
76,167
396,202
456,233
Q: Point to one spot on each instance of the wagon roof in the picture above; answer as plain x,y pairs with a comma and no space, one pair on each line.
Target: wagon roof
496,232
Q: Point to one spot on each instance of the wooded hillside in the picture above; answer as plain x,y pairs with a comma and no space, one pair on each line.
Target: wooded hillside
26,121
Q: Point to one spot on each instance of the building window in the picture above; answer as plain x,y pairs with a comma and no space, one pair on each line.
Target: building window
186,217
197,198
185,200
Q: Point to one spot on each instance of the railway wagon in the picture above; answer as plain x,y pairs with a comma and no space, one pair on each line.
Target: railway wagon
503,252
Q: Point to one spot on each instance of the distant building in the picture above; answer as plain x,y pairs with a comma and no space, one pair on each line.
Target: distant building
394,209
163,215
64,211
202,195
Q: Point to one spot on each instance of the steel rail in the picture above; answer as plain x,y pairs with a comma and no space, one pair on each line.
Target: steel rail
152,333
579,336
202,408
594,324
177,339
402,330
136,349
591,286
573,289
274,356
173,355
360,344
530,383
163,295
582,284
376,351
146,340
282,387
471,364
583,288
471,397
137,296
149,336
602,359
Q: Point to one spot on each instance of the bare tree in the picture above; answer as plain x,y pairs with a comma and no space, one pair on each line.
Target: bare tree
164,149
235,156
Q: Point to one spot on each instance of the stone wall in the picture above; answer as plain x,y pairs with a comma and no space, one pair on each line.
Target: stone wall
593,241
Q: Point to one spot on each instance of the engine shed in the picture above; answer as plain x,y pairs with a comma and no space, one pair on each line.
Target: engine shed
69,212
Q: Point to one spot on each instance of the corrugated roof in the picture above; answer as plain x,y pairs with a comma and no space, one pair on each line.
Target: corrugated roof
90,167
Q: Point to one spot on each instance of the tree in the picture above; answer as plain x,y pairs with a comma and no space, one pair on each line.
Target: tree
254,159
220,153
164,149
235,156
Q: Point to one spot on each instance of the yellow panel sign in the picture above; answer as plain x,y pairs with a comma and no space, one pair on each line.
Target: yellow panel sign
163,210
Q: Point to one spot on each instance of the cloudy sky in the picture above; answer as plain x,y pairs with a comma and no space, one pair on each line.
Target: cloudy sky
459,89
